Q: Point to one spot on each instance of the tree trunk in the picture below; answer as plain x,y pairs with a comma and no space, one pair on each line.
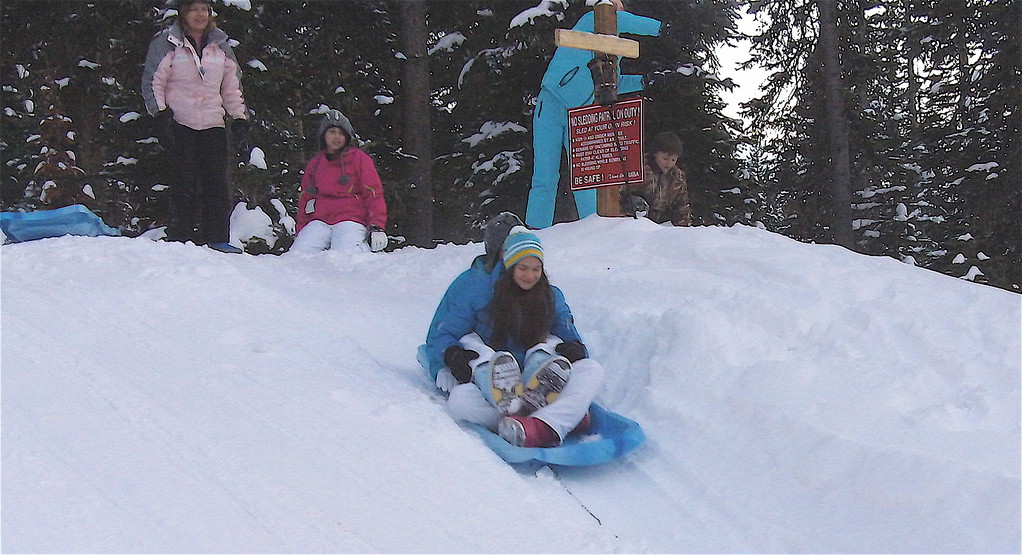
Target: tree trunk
417,122
964,73
837,126
912,92
608,199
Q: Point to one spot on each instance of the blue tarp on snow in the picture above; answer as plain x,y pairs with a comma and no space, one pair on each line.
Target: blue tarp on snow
70,220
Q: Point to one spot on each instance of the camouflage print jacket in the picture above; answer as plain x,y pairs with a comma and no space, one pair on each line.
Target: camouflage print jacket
666,194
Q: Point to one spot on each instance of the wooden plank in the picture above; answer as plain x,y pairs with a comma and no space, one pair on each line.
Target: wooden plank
608,201
608,44
605,18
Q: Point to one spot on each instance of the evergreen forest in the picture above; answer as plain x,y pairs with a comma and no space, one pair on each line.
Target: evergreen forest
889,127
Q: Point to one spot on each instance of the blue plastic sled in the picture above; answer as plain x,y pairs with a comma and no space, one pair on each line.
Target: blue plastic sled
70,220
610,436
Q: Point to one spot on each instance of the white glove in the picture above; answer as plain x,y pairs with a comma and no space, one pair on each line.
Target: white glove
377,240
642,211
445,380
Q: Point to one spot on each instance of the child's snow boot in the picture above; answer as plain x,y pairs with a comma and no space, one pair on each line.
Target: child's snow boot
527,431
544,377
582,428
501,382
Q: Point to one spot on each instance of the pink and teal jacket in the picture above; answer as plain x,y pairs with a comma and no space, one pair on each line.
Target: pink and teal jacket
334,199
200,90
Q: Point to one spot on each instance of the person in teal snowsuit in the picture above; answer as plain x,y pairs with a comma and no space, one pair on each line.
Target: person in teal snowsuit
566,84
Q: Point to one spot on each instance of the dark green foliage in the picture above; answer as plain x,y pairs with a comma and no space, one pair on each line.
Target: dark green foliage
932,108
61,63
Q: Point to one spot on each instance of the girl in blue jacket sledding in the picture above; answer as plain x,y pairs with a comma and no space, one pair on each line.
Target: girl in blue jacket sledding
503,344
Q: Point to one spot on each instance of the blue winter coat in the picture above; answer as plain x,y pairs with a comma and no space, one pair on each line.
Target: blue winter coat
462,310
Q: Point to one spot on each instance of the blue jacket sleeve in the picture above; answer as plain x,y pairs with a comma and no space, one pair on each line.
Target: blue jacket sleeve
636,25
630,23
627,22
453,318
629,84
461,311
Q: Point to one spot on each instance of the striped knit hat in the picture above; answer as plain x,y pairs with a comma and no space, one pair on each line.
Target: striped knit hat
521,243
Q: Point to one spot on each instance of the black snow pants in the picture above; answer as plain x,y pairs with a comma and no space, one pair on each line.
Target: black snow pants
200,208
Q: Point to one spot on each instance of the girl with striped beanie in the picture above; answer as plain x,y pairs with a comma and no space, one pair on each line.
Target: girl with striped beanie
521,369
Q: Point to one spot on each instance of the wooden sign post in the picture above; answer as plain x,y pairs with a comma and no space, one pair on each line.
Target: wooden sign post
607,46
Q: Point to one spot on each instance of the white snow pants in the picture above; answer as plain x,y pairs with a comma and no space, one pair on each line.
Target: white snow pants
467,402
319,236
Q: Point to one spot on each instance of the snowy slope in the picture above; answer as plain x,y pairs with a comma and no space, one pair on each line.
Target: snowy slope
163,397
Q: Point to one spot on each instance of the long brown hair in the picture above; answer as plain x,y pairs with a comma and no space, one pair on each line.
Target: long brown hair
518,315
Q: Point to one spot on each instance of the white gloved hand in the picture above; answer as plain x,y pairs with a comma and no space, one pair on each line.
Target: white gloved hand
377,239
642,211
445,380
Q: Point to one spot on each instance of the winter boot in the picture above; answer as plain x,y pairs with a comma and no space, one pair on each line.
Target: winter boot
527,431
501,382
544,378
583,426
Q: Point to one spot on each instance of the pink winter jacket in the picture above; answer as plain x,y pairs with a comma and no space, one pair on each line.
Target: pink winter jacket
358,199
200,91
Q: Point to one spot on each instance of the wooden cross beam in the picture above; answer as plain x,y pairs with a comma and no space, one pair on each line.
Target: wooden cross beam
604,39
606,44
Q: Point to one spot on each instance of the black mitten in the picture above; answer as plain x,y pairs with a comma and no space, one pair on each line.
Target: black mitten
635,206
571,350
457,358
241,135
164,125
377,239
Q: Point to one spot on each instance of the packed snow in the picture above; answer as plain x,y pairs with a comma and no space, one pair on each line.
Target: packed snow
164,397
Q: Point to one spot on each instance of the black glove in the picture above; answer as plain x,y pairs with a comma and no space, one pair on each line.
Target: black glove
241,134
457,358
635,206
164,125
572,350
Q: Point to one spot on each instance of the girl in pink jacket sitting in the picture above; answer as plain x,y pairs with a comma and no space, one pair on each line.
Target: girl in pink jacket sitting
341,205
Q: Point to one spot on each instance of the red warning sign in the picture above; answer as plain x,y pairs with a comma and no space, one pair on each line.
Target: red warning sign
605,146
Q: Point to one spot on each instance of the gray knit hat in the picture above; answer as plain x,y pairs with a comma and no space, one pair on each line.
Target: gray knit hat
334,118
495,232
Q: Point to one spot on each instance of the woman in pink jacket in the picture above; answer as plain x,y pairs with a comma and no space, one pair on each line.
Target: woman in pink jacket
341,205
191,84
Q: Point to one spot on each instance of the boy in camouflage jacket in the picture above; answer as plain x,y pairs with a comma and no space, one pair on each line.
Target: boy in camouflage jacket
664,195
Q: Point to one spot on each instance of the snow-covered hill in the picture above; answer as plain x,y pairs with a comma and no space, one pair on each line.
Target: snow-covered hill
162,397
